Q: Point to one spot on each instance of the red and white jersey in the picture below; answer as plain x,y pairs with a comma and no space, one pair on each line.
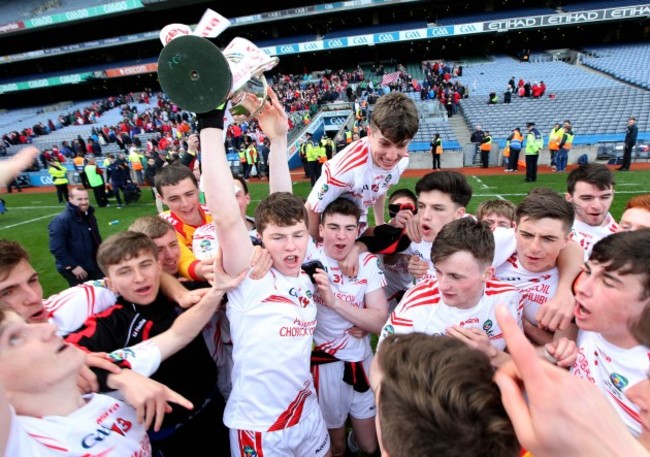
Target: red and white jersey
422,309
331,334
613,370
588,235
272,323
423,251
69,309
205,241
352,174
535,288
104,426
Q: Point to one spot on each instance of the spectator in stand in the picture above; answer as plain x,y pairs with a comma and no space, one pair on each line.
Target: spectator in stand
95,147
507,95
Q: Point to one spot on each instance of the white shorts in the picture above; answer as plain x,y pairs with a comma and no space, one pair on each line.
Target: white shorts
308,438
338,399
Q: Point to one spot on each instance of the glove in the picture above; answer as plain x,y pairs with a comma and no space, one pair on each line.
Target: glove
211,119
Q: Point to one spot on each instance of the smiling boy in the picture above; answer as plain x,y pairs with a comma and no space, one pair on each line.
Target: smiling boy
367,168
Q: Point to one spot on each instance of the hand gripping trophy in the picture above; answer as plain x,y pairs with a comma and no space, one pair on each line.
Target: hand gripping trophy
199,77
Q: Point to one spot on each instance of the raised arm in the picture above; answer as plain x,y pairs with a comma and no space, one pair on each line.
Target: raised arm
220,197
558,311
274,122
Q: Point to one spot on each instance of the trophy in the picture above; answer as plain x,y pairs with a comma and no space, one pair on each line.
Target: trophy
199,77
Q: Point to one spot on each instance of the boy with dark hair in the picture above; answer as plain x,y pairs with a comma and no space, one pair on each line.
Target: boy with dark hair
179,190
590,188
436,396
348,308
529,255
612,292
461,299
442,198
367,168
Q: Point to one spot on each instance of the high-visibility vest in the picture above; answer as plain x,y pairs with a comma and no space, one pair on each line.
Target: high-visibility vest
79,163
94,178
569,140
59,175
533,143
348,137
486,145
242,156
516,141
554,139
134,158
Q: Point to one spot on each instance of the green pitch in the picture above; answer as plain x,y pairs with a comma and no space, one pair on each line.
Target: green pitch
29,214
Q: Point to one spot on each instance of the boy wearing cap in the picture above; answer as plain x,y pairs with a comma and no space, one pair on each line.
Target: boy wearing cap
534,144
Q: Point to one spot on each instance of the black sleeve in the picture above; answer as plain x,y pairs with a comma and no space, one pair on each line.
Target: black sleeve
105,332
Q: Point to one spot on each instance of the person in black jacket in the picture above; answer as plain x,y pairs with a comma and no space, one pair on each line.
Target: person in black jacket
74,239
630,140
141,312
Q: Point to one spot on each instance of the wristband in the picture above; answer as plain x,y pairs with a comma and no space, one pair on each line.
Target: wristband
211,119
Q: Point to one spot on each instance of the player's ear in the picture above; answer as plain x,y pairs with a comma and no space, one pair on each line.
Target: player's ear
110,286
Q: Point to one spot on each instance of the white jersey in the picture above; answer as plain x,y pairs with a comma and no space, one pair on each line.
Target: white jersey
69,309
205,242
331,334
104,426
587,235
422,309
352,174
272,322
423,251
535,288
613,370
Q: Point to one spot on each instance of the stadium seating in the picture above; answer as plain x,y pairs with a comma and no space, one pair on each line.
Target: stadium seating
27,9
628,63
596,105
600,4
495,15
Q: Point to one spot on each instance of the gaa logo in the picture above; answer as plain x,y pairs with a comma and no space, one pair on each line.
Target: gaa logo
323,190
619,381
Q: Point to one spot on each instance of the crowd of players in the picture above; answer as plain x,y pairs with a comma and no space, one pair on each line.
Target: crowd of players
520,327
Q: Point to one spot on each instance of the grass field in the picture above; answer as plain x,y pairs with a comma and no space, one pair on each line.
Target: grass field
29,213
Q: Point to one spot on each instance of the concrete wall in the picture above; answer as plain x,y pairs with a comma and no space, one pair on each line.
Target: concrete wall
423,160
458,159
